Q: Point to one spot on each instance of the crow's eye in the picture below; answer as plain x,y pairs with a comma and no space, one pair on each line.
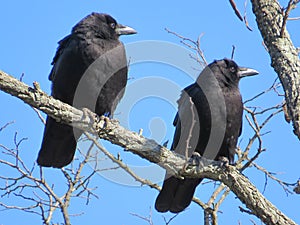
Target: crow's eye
112,25
232,69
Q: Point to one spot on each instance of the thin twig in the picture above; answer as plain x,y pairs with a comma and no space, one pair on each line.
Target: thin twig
245,16
148,219
38,112
236,11
6,125
293,18
232,52
194,45
170,220
290,6
283,184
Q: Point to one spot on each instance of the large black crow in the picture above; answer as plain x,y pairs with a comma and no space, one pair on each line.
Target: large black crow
209,121
89,71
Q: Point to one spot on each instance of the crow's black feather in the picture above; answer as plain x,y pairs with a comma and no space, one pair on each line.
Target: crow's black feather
89,71
209,121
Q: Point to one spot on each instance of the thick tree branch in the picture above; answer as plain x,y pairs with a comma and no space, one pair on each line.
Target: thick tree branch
111,130
284,55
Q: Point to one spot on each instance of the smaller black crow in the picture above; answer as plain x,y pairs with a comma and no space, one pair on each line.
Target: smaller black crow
89,71
209,121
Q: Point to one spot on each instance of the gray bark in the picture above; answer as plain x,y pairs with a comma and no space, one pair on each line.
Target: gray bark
146,148
284,55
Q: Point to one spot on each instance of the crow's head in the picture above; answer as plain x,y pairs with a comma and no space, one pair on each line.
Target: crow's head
228,72
103,26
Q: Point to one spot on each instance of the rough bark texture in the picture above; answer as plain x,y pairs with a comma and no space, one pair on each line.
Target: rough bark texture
111,130
34,97
284,55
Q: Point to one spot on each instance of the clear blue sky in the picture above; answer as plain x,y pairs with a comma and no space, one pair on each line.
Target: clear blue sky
30,31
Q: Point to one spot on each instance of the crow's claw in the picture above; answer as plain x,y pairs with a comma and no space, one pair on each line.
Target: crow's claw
195,159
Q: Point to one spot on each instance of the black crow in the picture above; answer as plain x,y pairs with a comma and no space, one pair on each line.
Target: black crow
209,122
89,71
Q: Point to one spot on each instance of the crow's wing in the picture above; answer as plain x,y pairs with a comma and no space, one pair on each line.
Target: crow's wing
177,194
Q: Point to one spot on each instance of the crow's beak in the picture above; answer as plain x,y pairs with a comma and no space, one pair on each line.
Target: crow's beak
246,72
124,30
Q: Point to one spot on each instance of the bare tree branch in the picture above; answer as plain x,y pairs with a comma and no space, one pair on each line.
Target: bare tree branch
194,45
238,14
283,184
122,165
43,200
6,125
235,9
291,5
147,219
245,16
284,55
111,130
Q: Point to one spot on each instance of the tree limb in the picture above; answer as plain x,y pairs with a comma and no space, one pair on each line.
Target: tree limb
284,55
146,148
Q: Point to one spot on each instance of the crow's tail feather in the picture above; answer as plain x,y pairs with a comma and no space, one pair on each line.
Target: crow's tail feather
59,144
176,194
